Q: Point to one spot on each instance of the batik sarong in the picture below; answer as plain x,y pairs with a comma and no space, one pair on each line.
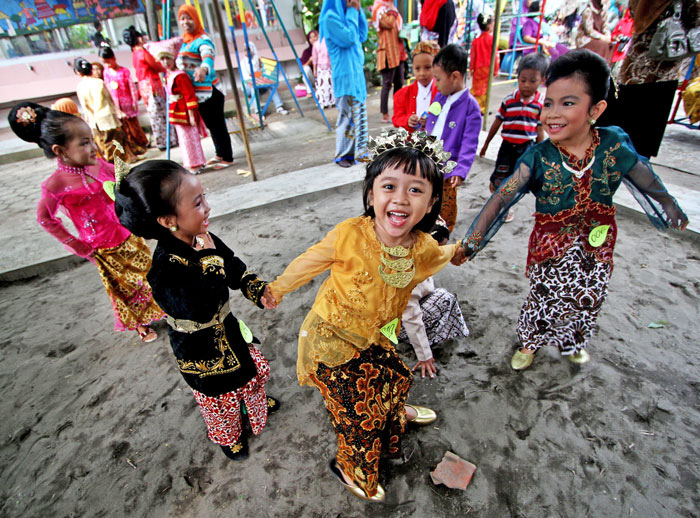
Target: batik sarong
351,129
158,113
190,146
222,414
565,297
365,398
324,87
448,210
442,318
134,134
123,270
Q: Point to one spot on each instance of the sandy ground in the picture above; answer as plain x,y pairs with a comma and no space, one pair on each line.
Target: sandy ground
97,424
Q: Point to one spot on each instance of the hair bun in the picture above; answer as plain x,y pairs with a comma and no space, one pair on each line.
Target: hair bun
25,120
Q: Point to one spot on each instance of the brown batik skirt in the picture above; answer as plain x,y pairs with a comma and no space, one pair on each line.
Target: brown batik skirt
448,210
365,399
565,297
105,144
123,270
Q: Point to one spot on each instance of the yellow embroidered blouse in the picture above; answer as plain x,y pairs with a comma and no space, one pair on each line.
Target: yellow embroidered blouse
354,302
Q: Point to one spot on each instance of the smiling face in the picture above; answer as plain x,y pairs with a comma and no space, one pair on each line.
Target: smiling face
186,23
191,211
423,68
167,62
567,111
400,201
80,149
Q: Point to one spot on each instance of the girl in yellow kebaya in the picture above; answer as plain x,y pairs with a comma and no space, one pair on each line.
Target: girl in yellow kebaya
346,343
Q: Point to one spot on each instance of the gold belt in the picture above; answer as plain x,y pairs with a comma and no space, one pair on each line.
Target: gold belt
190,326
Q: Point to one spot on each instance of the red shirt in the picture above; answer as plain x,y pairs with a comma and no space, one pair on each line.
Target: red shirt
405,105
147,68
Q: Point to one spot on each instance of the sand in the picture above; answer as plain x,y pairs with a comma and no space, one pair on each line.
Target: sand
97,424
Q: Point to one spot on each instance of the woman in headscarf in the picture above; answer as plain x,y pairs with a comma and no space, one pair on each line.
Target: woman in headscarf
391,54
196,58
344,27
151,88
594,33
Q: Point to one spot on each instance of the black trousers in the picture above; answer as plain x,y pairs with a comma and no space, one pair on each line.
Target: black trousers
390,76
212,112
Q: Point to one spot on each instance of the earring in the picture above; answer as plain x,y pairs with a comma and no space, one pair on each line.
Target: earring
591,121
173,228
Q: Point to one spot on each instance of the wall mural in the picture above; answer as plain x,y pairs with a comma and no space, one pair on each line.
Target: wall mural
19,17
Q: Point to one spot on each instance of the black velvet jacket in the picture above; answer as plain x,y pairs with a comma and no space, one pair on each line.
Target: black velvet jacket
193,285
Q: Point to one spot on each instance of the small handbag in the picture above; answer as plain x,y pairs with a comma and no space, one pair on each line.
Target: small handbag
671,42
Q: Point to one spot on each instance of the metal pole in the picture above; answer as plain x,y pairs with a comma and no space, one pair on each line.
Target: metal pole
229,19
539,26
241,17
492,64
274,54
232,77
166,35
301,67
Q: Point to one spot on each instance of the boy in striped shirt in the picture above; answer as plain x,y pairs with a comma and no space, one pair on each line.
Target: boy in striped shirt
519,115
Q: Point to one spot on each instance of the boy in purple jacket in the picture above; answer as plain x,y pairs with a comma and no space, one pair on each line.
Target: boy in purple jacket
454,117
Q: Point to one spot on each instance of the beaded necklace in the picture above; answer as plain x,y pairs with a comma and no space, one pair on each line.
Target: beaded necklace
79,171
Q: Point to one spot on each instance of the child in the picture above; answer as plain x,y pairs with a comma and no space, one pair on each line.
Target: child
191,275
454,117
520,116
573,176
432,316
184,114
79,187
411,103
102,115
345,342
480,60
117,79
245,71
322,73
98,70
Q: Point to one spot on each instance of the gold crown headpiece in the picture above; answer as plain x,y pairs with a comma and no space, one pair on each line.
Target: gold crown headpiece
429,145
121,168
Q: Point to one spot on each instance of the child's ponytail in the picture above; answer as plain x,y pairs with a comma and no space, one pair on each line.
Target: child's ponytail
44,127
149,191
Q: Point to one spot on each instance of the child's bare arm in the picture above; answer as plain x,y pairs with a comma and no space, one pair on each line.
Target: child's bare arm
540,133
492,133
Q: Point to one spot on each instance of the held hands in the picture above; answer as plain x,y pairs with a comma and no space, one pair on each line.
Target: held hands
427,365
268,301
460,256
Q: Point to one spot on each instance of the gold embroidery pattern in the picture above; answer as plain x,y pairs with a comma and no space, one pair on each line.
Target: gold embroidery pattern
223,364
555,183
212,264
253,287
404,269
177,259
356,303
608,163
509,187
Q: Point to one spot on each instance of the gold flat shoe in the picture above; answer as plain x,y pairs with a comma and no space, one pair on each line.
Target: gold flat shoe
521,361
356,491
423,417
580,357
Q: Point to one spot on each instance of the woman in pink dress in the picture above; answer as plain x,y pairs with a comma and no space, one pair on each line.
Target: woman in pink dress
118,81
81,187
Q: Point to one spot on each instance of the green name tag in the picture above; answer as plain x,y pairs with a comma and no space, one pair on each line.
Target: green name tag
245,332
389,330
598,235
435,108
108,186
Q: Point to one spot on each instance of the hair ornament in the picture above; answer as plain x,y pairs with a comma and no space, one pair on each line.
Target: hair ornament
427,144
26,116
121,168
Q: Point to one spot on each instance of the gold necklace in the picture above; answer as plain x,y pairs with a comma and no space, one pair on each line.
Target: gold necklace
404,267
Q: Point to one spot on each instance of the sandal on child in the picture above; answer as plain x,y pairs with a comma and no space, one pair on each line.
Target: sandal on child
424,416
357,491
237,450
147,335
580,357
521,361
272,405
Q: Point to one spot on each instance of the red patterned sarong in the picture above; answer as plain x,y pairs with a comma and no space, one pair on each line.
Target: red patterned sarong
222,414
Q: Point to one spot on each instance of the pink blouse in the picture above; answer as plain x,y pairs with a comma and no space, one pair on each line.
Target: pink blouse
121,88
79,193
319,54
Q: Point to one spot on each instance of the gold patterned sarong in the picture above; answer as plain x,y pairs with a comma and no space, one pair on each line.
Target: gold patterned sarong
123,270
